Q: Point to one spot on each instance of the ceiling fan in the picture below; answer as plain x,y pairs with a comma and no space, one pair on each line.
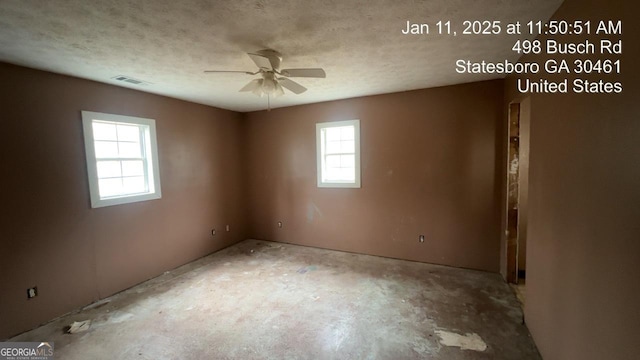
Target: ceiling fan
273,78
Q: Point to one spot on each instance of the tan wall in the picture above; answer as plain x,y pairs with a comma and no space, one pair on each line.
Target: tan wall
429,166
50,236
583,246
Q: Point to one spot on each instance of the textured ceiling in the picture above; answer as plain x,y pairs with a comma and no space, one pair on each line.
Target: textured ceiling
169,43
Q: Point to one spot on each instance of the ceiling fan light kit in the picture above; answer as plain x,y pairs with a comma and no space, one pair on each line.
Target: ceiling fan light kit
274,80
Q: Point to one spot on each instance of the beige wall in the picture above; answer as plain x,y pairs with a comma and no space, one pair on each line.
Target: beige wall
430,165
50,236
583,246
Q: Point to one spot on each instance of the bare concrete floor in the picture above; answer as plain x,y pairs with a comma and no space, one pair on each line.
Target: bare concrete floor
520,291
265,300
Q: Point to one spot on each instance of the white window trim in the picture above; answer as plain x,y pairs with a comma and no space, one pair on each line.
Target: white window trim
92,170
319,157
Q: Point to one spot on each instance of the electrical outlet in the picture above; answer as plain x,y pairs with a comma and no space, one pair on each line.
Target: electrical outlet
32,292
213,232
279,224
228,229
421,238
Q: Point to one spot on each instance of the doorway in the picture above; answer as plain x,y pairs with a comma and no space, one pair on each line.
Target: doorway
517,195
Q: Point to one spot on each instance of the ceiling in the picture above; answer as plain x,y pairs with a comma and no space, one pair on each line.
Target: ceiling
169,43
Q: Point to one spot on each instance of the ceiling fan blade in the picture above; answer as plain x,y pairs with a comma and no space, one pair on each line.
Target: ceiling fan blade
279,90
230,71
293,86
261,61
258,91
252,85
311,73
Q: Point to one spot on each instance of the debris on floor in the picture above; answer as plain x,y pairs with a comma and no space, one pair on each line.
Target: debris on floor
79,326
470,341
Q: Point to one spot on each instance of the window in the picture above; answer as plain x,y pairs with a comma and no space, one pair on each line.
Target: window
122,158
338,151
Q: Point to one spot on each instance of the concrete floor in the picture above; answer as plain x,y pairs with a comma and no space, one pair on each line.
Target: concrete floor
265,300
519,290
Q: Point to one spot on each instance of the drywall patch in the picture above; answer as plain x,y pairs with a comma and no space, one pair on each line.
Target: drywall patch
470,341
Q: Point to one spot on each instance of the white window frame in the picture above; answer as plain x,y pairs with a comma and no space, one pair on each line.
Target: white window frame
320,154
150,159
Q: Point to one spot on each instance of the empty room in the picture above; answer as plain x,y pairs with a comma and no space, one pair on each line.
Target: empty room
352,179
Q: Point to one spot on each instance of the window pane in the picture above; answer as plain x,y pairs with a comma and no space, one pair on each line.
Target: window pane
107,169
333,147
331,174
104,131
132,168
347,133
106,149
130,150
123,169
348,161
110,187
347,174
128,133
333,161
339,174
347,146
132,185
338,155
333,134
